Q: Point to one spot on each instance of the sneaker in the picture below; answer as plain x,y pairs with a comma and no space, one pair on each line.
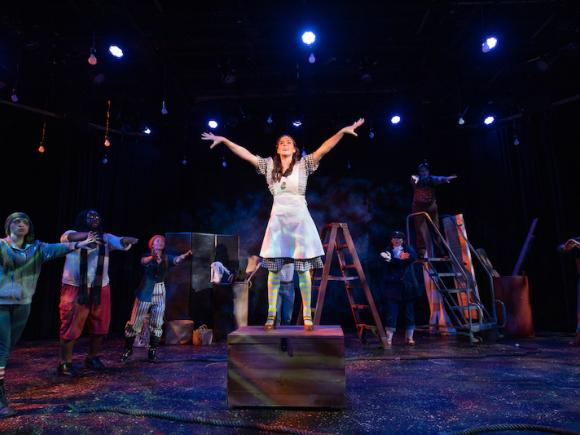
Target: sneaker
6,411
67,369
94,363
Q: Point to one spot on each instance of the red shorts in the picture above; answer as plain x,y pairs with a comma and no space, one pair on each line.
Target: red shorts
73,315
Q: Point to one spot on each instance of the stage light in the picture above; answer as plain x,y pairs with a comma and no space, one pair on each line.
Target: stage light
116,51
269,119
461,120
308,37
297,123
164,108
14,96
311,58
489,120
489,44
395,119
212,123
92,58
147,130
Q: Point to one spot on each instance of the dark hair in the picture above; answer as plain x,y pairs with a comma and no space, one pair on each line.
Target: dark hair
29,238
423,164
81,221
277,169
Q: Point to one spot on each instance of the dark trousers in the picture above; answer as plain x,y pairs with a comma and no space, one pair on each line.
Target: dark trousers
423,239
13,319
392,313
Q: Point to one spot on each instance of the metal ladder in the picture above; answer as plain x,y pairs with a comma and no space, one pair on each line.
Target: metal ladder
336,238
458,286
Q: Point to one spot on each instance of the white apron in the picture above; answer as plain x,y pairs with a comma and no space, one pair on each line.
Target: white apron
291,232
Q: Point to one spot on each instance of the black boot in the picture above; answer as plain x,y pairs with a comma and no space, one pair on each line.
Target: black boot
128,351
153,343
5,409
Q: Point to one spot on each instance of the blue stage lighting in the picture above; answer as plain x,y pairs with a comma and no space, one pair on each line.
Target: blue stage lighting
212,123
308,37
489,44
297,123
116,51
489,120
147,130
395,119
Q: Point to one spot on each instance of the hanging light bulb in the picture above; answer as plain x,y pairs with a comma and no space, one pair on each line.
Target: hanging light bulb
371,134
107,143
348,165
105,160
311,58
164,108
92,58
224,163
184,162
14,97
41,149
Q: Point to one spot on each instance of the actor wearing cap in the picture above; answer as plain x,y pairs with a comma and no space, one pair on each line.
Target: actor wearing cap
400,286
21,258
424,201
85,293
150,296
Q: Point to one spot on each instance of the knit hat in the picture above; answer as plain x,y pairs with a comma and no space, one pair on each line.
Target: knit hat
20,215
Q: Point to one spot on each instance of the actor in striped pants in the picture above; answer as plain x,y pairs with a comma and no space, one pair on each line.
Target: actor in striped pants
150,297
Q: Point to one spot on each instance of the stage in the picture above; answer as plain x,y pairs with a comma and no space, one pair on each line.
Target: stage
442,385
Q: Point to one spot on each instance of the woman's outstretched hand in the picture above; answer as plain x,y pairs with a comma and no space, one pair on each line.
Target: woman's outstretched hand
351,128
216,140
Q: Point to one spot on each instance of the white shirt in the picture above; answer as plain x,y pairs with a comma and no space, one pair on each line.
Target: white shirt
71,274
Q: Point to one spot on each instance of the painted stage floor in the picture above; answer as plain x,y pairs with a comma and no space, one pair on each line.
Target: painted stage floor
441,386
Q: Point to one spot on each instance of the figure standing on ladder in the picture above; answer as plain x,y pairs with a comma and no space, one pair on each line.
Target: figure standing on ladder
424,200
291,235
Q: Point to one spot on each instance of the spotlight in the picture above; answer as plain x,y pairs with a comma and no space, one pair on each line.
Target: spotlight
489,44
14,97
489,120
212,124
395,119
297,123
308,37
147,130
461,120
311,58
164,108
116,51
92,58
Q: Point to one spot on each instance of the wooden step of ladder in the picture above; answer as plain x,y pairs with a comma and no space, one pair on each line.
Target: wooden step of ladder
337,243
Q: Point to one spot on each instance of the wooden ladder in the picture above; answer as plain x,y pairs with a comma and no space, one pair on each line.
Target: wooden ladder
336,238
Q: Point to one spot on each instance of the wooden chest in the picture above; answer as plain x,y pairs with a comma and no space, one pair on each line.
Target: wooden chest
286,367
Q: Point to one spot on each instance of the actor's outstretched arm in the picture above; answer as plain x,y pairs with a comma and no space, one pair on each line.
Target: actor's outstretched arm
238,150
331,142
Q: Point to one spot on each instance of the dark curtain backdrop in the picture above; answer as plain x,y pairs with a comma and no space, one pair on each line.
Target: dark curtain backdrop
144,189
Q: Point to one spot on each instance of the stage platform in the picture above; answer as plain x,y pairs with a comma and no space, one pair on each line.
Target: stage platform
441,386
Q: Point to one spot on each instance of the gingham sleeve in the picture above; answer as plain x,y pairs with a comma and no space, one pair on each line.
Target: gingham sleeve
310,163
262,165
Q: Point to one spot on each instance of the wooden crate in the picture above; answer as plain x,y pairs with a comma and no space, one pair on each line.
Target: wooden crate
286,367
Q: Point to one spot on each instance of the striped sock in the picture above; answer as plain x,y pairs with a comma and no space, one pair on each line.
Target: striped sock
305,283
273,288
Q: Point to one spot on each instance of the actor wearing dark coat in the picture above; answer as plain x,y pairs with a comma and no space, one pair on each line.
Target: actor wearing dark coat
400,288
